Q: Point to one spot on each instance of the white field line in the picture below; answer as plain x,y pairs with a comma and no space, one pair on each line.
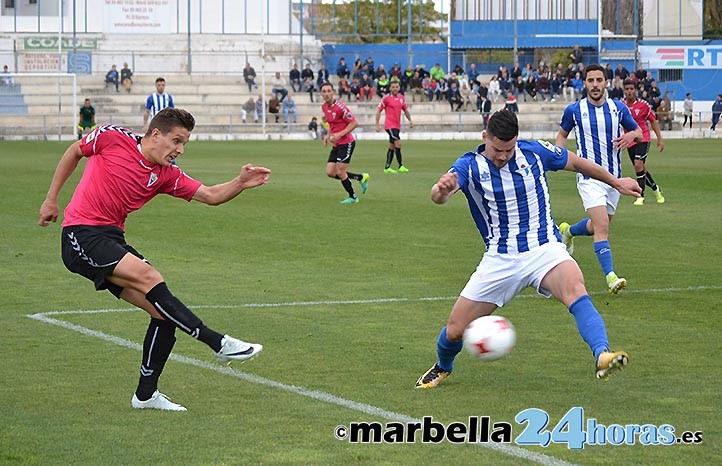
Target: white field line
313,394
372,301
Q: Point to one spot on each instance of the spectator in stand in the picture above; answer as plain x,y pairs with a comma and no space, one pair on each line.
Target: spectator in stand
502,71
555,86
294,77
395,72
531,87
431,87
640,74
621,72
313,128
494,88
5,78
453,95
289,107
465,92
322,76
344,89
617,91
260,108
528,71
442,88
576,55
278,86
249,76
405,78
511,103
568,89
458,70
382,84
357,69
126,78
112,77
609,73
370,68
355,89
274,106
453,78
516,71
422,72
366,88
688,108
716,112
415,86
483,89
542,85
653,90
341,69
308,83
664,115
437,72
578,84
472,74
485,110
380,71
249,107
505,84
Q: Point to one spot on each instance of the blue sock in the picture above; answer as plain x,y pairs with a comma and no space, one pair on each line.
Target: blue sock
590,324
447,351
580,228
604,255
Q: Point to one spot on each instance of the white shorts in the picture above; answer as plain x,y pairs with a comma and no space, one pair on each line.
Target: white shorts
500,277
595,193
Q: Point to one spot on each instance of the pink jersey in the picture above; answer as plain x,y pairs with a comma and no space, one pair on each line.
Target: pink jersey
338,116
641,112
118,180
393,105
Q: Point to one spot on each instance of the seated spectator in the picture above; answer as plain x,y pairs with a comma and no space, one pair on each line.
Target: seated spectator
278,86
622,72
472,74
370,68
515,72
664,115
395,72
531,87
430,87
112,77
465,92
641,73
380,71
542,85
249,107
576,55
437,72
308,83
504,83
274,106
442,87
555,86
617,91
568,89
578,85
355,89
458,70
5,78
453,78
494,88
249,76
322,76
341,69
405,78
453,95
382,85
289,107
357,70
366,88
415,87
519,88
260,108
294,77
511,103
485,110
344,89
126,78
609,72
313,128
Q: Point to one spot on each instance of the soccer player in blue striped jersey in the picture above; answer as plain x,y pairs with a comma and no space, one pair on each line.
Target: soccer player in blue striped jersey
598,121
504,181
156,102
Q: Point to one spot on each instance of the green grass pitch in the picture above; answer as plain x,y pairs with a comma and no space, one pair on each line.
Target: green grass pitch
65,395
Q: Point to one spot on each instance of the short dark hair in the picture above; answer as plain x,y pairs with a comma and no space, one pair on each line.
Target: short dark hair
170,118
594,67
503,125
327,84
159,79
629,82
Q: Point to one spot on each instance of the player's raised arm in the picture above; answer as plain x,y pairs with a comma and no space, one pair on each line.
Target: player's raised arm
446,187
250,177
68,163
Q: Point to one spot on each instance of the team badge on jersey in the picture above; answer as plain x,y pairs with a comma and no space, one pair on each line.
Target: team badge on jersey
524,169
153,178
485,176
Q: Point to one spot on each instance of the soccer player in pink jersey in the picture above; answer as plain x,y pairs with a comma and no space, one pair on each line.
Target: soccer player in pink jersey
642,112
124,171
341,124
393,104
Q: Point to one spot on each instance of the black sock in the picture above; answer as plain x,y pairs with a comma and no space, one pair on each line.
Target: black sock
176,312
348,187
355,176
650,182
157,346
389,158
640,180
398,156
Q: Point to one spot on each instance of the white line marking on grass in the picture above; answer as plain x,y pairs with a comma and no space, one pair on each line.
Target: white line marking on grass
314,394
373,301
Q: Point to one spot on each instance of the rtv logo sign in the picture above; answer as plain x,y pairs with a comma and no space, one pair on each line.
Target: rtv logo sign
707,57
686,57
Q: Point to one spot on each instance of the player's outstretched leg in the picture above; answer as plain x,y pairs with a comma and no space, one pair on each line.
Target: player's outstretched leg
446,350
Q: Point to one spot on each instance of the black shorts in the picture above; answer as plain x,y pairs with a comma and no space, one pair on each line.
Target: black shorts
638,151
393,135
94,251
342,153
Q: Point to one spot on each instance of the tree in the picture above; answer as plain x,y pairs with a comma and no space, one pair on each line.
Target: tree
712,19
375,21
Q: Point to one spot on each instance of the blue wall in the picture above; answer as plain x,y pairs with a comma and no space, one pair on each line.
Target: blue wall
500,34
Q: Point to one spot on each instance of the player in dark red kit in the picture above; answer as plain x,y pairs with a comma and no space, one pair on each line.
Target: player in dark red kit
342,123
642,113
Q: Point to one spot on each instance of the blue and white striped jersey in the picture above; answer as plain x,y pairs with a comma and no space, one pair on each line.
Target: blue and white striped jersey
157,102
510,206
596,127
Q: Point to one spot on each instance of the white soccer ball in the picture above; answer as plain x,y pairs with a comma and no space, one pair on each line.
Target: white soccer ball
489,338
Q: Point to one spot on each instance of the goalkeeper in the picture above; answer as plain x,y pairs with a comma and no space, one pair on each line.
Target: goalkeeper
86,118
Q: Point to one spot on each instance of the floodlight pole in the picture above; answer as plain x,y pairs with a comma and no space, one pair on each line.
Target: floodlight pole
190,57
409,31
516,35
